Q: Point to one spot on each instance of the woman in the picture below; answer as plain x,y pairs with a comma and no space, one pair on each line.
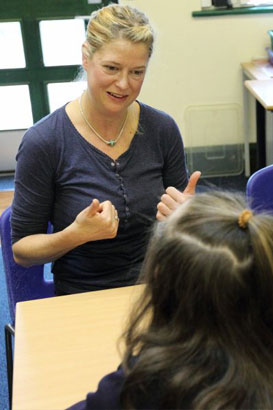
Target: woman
96,168
208,343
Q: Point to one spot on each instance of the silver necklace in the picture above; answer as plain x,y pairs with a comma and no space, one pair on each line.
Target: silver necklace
111,142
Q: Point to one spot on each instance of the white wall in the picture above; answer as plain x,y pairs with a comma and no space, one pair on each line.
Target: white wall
9,144
197,60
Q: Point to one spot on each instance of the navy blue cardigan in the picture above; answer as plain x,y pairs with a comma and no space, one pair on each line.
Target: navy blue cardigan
59,173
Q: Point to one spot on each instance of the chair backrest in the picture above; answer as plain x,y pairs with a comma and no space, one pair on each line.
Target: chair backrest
22,283
259,189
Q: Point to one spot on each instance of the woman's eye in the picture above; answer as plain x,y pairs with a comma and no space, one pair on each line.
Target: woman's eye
110,68
138,72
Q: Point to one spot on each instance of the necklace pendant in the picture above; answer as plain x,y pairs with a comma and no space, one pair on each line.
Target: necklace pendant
111,142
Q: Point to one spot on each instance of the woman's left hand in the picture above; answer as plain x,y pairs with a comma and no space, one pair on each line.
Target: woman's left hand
173,198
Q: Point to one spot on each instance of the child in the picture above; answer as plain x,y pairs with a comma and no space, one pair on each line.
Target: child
207,338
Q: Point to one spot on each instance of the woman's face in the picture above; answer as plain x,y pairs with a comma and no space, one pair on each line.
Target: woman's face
115,74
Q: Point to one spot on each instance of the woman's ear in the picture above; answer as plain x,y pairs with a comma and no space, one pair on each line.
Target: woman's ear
84,56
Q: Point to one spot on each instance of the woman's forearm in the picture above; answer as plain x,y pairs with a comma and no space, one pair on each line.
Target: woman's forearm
43,248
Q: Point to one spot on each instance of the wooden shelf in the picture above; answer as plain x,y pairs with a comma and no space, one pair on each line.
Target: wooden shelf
215,12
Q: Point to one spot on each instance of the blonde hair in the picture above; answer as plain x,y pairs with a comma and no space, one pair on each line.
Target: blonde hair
117,22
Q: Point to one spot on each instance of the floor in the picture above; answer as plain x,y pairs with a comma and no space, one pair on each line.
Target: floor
6,191
6,198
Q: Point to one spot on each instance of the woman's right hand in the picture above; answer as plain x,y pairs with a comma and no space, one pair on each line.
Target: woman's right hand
96,222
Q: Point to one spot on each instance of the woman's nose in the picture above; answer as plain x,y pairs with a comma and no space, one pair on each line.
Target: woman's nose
123,80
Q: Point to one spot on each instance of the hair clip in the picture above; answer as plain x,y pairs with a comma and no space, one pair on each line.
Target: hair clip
244,217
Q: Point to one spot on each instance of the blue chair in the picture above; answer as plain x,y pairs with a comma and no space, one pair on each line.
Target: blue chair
259,189
22,284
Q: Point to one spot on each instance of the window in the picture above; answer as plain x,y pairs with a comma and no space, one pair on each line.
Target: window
64,49
15,107
61,93
11,46
40,57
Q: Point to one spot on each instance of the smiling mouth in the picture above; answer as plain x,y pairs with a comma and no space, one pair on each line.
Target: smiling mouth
117,96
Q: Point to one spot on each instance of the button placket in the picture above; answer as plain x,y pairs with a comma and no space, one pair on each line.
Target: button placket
115,166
